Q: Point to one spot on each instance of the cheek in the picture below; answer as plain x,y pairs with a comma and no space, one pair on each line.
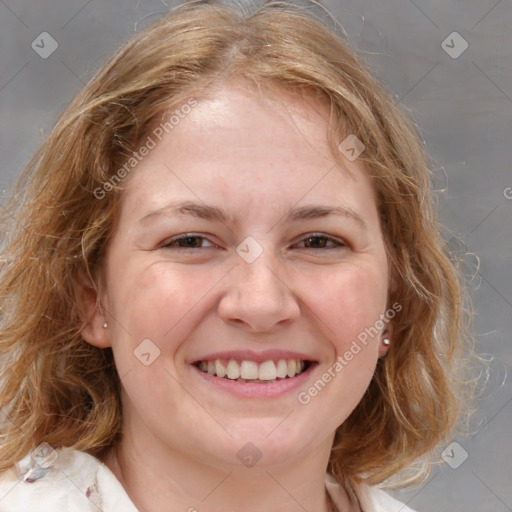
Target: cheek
153,306
148,292
151,302
347,301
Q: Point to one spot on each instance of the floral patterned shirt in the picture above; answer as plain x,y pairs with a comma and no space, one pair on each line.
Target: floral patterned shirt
73,481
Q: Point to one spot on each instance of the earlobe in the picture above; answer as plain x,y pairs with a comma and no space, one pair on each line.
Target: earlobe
93,316
96,330
385,341
384,347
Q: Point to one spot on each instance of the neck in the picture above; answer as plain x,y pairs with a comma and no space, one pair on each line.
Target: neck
179,483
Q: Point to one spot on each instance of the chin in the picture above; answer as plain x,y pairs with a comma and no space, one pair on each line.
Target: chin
260,442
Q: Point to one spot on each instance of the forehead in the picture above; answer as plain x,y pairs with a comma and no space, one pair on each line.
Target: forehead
236,120
248,148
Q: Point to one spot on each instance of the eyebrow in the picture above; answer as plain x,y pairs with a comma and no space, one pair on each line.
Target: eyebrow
213,213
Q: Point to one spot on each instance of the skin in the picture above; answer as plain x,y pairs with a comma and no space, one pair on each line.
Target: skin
256,158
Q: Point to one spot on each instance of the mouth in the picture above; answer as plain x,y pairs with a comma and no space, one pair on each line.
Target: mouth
253,372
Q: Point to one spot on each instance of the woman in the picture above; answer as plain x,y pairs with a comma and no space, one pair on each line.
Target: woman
225,288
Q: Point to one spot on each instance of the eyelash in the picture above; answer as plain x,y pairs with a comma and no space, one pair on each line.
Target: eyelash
168,244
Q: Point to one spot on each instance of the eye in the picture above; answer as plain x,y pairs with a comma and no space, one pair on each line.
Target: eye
187,241
319,241
193,241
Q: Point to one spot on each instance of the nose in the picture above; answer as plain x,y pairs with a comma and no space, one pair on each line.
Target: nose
259,297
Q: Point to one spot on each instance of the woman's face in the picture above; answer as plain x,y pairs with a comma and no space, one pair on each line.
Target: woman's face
225,259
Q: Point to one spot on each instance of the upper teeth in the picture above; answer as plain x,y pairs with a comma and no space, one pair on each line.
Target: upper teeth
251,370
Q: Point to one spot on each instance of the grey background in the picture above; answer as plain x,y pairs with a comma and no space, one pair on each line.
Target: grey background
463,107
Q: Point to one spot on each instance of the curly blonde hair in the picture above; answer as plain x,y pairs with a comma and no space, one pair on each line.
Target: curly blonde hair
55,387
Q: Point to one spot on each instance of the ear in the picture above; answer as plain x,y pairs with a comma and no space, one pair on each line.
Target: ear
93,311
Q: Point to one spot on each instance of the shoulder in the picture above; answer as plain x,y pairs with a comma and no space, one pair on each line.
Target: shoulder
65,479
373,499
369,499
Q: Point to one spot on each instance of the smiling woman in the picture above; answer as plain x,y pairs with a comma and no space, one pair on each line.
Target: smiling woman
246,306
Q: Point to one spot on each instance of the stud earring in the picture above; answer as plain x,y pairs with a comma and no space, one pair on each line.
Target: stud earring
386,342
105,325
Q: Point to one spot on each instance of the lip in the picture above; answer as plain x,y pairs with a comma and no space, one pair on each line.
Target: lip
252,390
250,355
